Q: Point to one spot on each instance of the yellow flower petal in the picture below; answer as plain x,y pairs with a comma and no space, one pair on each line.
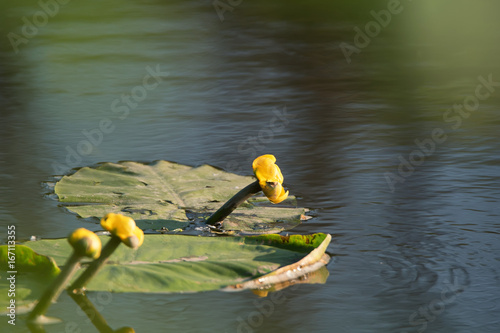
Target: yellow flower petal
266,170
270,178
283,195
85,243
140,235
136,239
275,192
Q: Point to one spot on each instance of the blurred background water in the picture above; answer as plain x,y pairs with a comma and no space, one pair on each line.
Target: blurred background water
370,129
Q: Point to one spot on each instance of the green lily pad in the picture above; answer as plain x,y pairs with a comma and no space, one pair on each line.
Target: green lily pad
180,263
30,274
166,195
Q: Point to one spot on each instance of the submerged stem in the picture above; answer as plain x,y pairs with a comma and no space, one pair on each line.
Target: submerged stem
89,273
234,202
54,290
92,313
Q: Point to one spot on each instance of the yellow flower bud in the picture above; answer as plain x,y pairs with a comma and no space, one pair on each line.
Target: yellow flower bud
270,178
123,227
136,239
85,243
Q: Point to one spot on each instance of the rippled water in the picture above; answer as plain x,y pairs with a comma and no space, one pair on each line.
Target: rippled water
415,243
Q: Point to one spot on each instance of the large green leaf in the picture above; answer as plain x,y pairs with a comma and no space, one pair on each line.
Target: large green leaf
29,272
179,263
166,195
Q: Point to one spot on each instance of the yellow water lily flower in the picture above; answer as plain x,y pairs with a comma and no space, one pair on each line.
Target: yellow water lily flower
123,227
270,178
85,243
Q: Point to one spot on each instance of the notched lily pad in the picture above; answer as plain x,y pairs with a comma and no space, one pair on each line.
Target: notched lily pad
166,195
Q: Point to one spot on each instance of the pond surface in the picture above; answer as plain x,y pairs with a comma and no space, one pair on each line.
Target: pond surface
385,125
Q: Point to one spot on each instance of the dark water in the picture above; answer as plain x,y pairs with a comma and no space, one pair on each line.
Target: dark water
394,148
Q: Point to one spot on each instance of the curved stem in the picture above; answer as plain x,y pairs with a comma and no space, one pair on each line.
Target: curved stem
54,290
89,273
234,202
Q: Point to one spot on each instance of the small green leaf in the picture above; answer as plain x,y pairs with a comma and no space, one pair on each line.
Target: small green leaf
169,195
299,243
30,275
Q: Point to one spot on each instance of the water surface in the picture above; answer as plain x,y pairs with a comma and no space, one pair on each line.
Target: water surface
414,253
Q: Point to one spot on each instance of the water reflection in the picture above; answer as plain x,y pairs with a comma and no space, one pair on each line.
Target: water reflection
350,124
92,313
95,317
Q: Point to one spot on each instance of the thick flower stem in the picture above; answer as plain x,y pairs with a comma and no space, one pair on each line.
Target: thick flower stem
234,202
89,273
54,290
